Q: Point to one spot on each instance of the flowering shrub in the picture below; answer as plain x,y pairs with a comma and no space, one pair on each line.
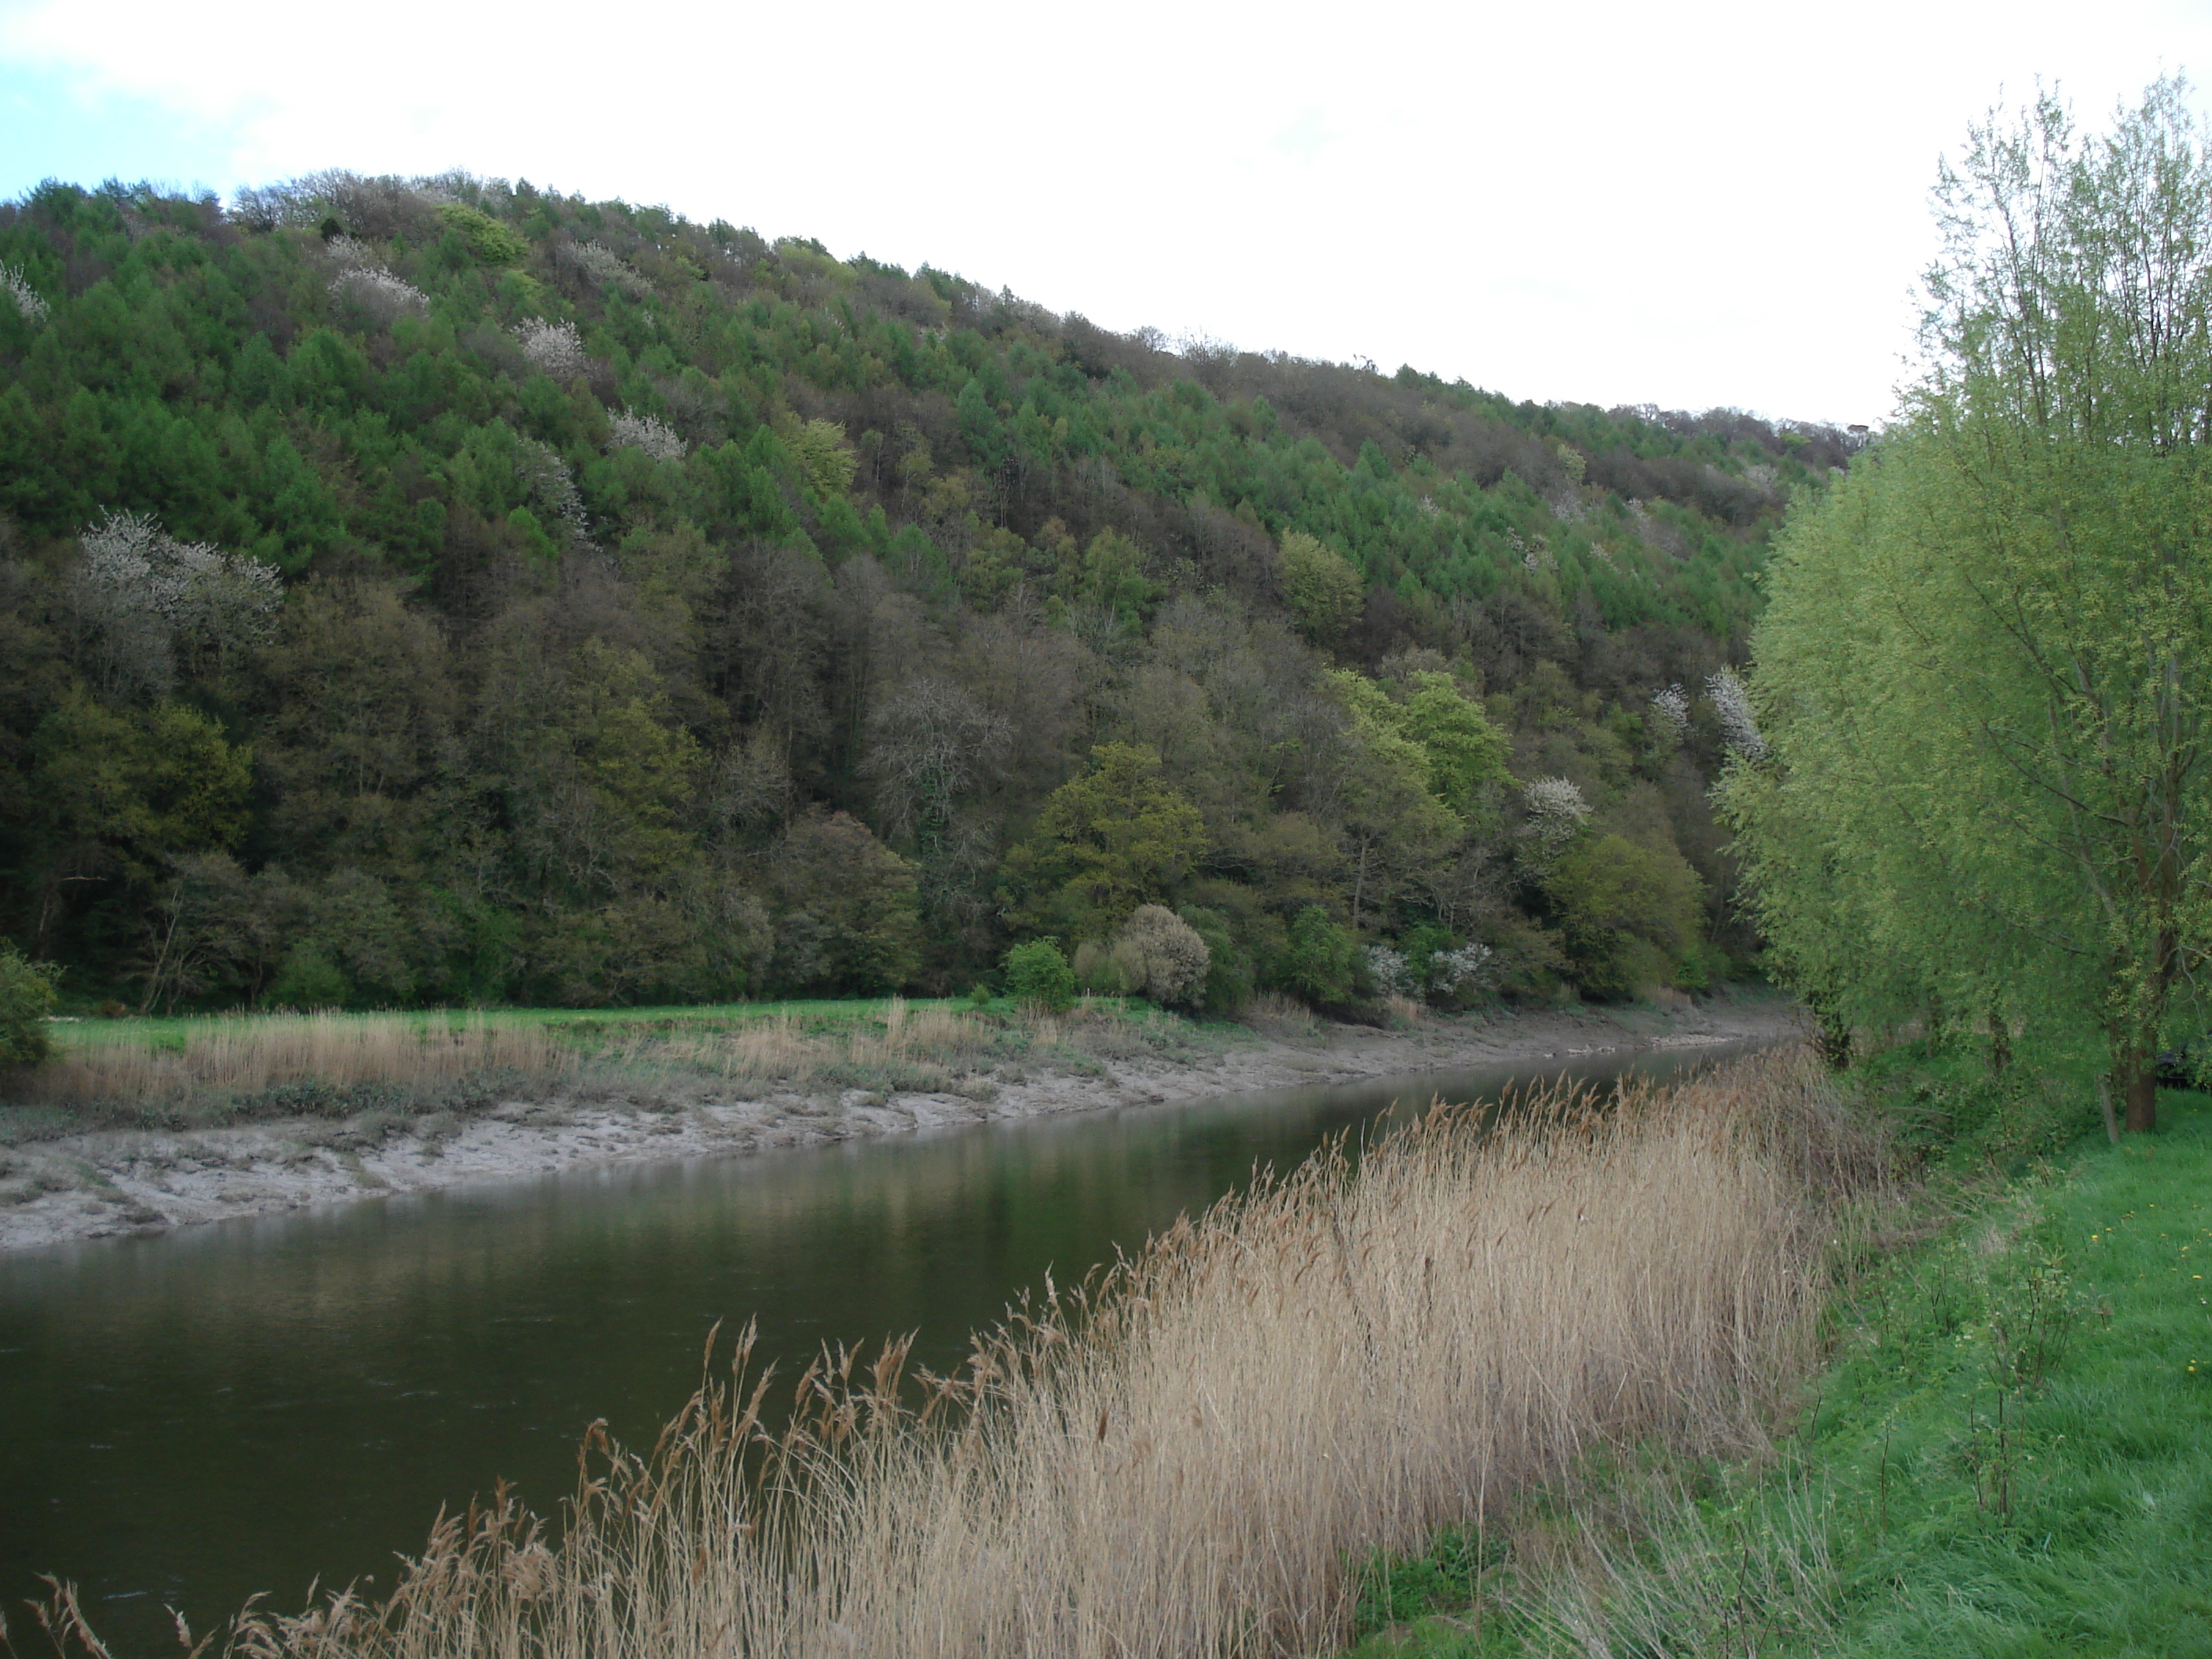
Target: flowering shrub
1739,726
552,487
1465,972
377,291
556,348
656,438
28,300
604,268
1389,970
1160,954
1671,706
145,592
1556,811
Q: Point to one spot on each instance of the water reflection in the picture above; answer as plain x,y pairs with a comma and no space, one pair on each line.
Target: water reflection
192,1418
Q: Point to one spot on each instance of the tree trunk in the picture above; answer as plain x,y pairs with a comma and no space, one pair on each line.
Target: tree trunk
2135,1080
2142,1097
2134,1075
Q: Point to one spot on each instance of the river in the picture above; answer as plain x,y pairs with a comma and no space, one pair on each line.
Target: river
190,1418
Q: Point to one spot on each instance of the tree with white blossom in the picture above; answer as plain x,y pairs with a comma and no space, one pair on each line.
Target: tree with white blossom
1555,811
27,300
556,348
144,598
1739,724
629,430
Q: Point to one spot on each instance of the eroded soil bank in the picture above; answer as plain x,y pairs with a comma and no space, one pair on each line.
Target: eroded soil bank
86,1185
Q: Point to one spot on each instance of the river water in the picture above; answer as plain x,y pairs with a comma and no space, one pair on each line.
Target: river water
188,1418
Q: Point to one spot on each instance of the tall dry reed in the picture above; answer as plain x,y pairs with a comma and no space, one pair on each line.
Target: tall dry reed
915,1050
217,1060
1181,1457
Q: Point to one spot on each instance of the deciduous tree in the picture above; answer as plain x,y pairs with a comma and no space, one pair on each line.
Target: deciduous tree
1984,677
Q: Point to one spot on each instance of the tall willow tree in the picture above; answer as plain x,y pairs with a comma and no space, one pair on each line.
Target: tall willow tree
1981,672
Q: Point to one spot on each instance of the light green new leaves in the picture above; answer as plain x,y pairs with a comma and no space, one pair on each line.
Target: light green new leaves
1983,667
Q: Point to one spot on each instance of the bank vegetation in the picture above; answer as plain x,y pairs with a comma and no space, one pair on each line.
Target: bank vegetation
1192,1452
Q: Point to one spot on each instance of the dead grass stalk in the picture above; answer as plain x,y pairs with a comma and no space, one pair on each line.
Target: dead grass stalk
217,1059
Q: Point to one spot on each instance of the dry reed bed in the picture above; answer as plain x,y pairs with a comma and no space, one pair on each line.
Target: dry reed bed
1181,1458
923,1049
234,1058
217,1063
783,1047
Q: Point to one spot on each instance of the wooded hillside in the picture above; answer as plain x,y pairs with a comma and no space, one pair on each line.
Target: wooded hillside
444,591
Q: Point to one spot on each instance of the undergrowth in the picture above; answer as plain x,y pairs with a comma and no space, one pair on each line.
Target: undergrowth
2007,1452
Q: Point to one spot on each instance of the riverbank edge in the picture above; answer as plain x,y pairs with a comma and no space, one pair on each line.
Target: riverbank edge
2068,1290
107,1182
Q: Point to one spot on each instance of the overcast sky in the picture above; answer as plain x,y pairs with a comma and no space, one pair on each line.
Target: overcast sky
1689,205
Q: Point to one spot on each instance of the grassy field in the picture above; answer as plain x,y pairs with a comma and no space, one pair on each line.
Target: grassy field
2009,1451
208,1070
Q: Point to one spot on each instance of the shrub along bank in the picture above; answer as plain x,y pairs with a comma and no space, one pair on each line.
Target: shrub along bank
2007,1452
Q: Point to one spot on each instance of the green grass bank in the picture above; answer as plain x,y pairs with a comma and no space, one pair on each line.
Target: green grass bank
2006,1451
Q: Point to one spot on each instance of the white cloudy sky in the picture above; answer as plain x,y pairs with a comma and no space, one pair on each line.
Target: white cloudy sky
1687,204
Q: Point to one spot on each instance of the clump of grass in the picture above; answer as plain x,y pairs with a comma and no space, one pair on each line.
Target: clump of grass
1276,1015
199,1069
898,1046
1183,1457
902,1049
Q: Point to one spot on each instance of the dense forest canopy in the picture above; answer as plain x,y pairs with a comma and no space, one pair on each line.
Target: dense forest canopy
440,590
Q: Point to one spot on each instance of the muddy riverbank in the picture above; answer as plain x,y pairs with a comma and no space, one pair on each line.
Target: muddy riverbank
100,1183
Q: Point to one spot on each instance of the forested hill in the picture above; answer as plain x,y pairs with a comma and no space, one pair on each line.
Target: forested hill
441,591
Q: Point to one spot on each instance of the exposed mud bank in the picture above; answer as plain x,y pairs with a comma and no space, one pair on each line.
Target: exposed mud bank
95,1183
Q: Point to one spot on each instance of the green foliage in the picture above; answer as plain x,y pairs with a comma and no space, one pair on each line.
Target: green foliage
1466,753
818,448
546,714
1229,976
1115,838
846,919
308,980
116,792
1038,972
488,241
1323,591
1396,1589
1983,671
1949,1108
1628,914
1323,959
27,997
